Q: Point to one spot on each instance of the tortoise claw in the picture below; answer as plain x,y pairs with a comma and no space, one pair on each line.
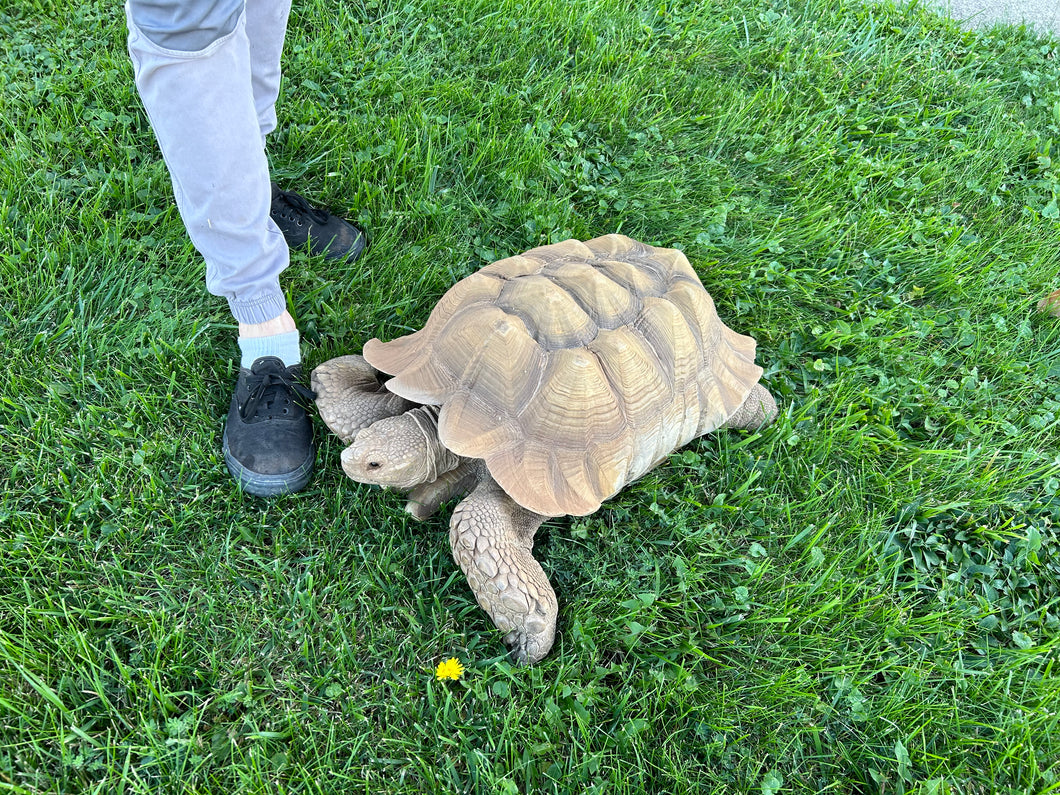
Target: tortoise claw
528,647
516,643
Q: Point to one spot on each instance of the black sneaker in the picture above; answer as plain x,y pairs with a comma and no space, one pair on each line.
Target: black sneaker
302,224
268,438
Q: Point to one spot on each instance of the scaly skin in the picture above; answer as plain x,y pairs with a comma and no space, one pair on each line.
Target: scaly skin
400,452
758,409
490,534
491,537
350,397
427,498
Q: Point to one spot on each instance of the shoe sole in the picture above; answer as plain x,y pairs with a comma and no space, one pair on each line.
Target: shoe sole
268,485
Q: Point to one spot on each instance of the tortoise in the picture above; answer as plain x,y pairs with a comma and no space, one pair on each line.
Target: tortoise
540,386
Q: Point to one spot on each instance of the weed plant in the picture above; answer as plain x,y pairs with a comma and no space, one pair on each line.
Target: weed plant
864,597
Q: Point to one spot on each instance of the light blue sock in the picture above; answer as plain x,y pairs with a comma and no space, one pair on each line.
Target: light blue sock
284,346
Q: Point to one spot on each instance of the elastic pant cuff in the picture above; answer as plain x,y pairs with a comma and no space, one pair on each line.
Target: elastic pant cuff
259,310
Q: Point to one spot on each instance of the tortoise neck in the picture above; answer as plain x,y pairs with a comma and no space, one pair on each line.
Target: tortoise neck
440,458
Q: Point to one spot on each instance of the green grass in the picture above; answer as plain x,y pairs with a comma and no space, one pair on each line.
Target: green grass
865,597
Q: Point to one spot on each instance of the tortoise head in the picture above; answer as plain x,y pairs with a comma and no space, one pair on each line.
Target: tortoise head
399,452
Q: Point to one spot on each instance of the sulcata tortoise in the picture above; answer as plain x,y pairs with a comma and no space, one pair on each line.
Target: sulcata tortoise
540,386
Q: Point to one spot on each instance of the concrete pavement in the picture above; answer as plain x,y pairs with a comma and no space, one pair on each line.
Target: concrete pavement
1042,15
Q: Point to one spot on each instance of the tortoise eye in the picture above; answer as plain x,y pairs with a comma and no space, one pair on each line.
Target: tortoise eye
374,465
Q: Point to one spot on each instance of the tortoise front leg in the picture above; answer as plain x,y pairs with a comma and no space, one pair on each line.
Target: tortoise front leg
426,498
349,396
491,536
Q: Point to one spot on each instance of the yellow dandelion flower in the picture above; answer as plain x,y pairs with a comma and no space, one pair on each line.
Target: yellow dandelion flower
449,669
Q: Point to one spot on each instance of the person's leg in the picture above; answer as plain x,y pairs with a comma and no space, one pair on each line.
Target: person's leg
210,93
266,30
304,226
192,65
195,83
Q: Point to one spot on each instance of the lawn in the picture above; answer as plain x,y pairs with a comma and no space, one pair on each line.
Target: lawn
864,597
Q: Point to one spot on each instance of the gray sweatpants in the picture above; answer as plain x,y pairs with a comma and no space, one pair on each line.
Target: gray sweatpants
208,74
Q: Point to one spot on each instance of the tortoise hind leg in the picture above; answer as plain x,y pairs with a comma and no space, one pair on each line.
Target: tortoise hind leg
757,410
491,536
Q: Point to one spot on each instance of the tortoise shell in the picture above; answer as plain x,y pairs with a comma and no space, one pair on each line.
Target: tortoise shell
574,368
